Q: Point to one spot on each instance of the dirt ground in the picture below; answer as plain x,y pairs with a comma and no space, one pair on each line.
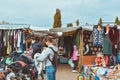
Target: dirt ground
64,72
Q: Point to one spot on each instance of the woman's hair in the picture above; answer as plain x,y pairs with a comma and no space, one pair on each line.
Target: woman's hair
51,40
37,38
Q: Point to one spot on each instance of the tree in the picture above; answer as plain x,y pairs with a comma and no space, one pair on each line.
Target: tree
57,19
77,22
69,25
100,21
117,21
4,22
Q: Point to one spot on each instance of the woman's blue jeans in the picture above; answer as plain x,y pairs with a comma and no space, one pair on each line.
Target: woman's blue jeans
50,72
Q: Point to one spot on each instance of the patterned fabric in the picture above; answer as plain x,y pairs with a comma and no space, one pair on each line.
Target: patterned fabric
11,74
39,65
98,37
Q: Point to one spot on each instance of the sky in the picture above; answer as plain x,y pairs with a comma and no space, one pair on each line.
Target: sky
41,12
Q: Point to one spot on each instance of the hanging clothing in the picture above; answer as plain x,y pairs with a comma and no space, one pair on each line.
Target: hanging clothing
107,60
11,40
19,38
1,42
15,38
77,39
98,37
5,38
114,50
118,57
21,43
8,43
107,46
4,43
114,35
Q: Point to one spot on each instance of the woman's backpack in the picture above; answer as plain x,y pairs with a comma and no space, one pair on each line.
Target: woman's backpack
56,58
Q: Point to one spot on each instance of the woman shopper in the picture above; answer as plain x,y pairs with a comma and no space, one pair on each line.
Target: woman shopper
75,58
47,55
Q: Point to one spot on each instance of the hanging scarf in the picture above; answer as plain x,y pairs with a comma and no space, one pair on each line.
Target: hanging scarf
114,35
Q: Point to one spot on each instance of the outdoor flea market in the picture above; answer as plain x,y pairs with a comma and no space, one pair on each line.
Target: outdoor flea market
93,52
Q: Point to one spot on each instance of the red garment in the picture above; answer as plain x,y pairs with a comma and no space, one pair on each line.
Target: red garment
98,59
22,63
106,60
114,35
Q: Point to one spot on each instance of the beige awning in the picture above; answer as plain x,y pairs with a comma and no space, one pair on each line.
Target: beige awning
66,29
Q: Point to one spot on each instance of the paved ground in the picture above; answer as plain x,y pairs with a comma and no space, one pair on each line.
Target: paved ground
65,73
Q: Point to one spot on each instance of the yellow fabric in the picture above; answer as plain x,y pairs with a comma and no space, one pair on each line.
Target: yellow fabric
8,44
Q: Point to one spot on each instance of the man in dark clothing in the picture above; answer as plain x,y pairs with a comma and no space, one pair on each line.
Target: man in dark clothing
37,46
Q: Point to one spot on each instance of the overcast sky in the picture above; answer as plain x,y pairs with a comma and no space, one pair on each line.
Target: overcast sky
41,12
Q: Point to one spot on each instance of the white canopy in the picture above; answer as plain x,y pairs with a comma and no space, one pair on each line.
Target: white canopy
65,29
14,26
38,28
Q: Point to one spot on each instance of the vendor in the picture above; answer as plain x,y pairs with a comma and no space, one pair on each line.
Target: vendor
100,61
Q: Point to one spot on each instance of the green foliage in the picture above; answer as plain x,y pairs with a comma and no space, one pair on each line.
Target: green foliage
117,21
100,21
57,19
77,22
69,25
4,22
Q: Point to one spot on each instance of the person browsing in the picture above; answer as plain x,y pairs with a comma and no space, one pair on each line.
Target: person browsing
46,55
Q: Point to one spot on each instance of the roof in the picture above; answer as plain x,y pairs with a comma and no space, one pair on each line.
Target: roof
38,28
70,29
14,26
21,26
88,27
66,29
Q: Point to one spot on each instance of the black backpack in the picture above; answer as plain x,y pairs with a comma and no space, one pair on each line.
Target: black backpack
56,58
